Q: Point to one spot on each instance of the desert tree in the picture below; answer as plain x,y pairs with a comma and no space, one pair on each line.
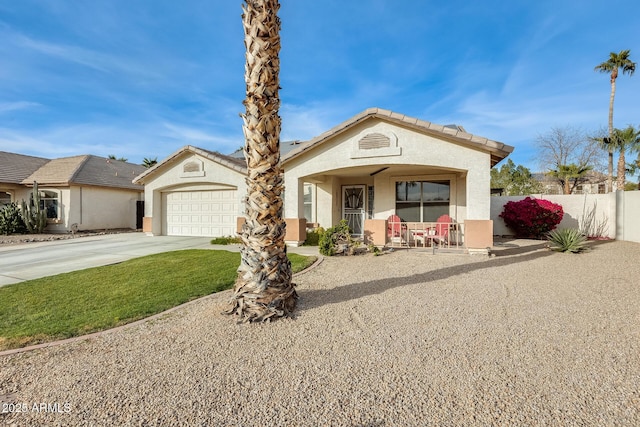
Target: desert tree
567,155
612,66
514,180
263,289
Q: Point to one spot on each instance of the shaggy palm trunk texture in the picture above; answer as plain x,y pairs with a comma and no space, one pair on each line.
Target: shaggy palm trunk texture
263,289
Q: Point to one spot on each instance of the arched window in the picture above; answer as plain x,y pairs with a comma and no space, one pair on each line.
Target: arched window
5,199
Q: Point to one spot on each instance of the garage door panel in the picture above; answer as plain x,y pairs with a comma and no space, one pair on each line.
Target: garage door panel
201,213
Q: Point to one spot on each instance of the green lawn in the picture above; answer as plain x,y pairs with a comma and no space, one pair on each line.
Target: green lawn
81,302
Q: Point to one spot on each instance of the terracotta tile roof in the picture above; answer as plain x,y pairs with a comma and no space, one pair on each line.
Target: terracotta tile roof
456,134
14,168
235,163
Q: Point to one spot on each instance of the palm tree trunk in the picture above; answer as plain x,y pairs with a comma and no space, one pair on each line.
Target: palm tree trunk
613,95
622,171
263,289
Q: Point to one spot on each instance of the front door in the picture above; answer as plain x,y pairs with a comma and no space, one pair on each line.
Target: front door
353,208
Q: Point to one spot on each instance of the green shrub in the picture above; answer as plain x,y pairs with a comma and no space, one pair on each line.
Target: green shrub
567,240
226,240
11,221
332,237
374,250
313,237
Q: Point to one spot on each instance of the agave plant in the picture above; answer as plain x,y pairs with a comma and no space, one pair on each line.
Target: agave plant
567,240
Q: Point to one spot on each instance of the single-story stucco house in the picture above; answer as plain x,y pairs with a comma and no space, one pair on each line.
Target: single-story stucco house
368,168
81,192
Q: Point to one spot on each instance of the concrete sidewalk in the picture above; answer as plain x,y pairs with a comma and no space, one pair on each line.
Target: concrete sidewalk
28,261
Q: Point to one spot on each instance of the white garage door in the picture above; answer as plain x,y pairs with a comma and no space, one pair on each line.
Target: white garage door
200,213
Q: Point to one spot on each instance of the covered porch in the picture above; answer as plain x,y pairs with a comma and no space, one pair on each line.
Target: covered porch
387,205
380,164
413,192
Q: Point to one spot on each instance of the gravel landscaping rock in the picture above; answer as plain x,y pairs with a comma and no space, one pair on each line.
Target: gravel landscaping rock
13,239
528,337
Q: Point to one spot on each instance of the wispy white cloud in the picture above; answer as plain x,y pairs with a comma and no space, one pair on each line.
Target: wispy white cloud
305,121
103,62
6,107
133,141
195,135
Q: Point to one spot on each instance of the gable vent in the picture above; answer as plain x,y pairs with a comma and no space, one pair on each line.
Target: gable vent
374,140
191,167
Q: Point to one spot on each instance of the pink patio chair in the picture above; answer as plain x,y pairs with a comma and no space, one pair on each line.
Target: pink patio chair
395,229
441,231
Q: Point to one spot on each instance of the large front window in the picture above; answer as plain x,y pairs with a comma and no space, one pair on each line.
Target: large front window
422,201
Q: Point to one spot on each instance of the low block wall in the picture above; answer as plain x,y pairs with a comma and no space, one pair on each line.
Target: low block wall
577,207
478,234
296,231
375,232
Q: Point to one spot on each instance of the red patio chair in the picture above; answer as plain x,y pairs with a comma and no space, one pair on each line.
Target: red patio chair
394,226
441,231
396,229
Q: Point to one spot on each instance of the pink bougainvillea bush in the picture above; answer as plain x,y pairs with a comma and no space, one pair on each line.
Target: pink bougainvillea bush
532,218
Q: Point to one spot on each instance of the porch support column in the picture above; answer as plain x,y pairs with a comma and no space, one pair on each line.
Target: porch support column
479,191
375,232
296,232
478,236
326,205
293,197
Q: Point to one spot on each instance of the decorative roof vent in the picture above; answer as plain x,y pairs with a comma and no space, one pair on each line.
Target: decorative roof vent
375,144
192,167
374,140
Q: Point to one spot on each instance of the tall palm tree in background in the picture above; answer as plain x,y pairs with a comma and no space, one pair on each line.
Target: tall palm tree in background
263,289
120,159
611,66
624,139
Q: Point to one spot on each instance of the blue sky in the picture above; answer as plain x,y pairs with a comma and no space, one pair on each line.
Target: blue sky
142,78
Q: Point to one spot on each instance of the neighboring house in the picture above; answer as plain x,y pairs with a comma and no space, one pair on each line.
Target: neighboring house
374,165
593,183
87,192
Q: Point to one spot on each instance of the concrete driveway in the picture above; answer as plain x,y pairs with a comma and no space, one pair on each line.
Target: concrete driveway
33,260
28,261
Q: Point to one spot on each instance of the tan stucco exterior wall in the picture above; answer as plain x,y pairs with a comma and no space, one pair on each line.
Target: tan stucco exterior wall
421,155
17,192
104,208
94,208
